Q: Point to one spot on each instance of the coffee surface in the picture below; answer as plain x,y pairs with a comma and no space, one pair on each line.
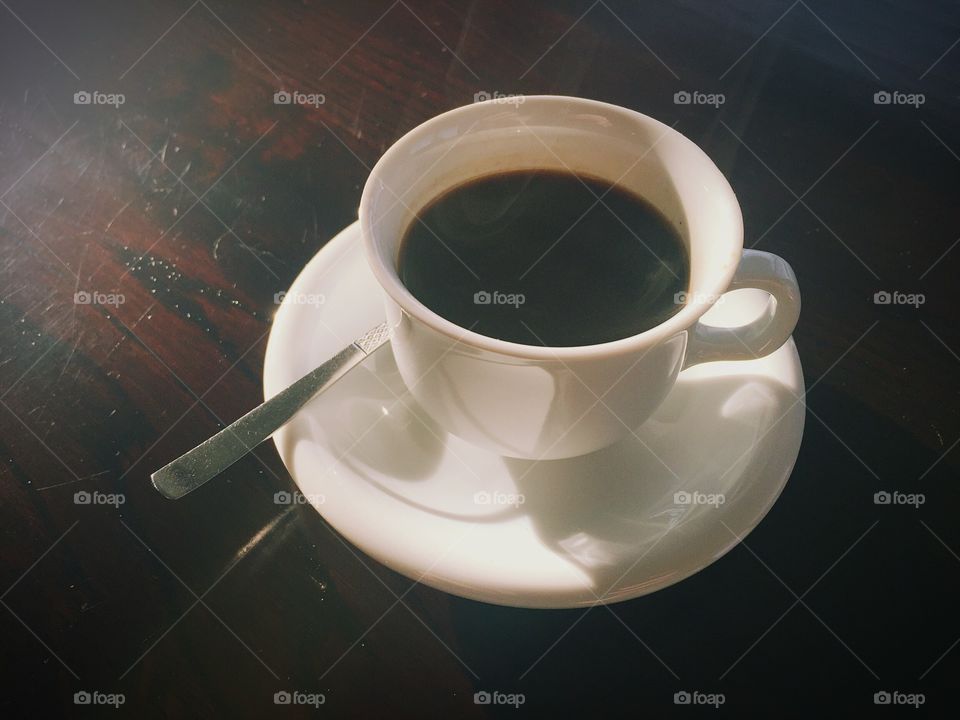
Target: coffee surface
543,257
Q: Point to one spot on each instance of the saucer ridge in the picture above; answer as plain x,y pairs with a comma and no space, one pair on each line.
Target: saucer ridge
616,524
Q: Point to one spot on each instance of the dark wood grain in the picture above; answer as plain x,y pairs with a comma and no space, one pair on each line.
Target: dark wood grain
198,199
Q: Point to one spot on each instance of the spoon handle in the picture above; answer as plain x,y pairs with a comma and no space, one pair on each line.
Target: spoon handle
216,454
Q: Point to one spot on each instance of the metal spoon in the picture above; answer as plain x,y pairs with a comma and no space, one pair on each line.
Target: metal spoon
213,456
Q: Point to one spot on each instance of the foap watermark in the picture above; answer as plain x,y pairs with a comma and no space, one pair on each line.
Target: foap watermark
499,98
495,297
286,97
285,497
95,697
695,298
299,298
895,297
95,297
695,697
495,697
485,497
896,497
83,497
297,697
896,97
695,97
684,497
95,97
895,697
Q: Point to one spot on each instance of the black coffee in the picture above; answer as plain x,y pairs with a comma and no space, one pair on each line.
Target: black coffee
533,257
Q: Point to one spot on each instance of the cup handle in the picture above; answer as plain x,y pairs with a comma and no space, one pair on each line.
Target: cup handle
763,335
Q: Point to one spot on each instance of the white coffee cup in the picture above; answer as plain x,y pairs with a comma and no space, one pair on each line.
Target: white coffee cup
554,402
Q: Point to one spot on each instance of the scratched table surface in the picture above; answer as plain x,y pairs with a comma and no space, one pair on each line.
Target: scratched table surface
155,198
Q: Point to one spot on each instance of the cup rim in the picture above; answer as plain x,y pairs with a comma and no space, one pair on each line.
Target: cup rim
388,278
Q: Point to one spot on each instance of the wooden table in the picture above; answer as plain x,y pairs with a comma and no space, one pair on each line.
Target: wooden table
142,243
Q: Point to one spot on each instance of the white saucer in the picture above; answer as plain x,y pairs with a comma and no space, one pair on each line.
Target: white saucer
595,529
